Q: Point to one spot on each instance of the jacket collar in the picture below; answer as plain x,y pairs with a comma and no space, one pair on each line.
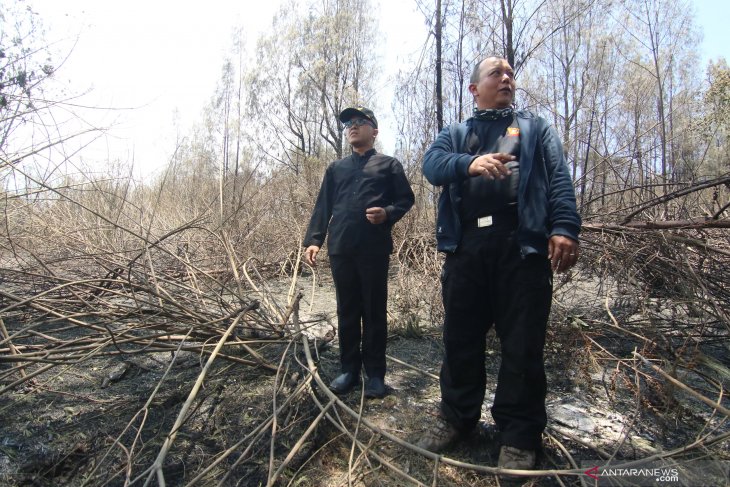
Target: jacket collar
364,156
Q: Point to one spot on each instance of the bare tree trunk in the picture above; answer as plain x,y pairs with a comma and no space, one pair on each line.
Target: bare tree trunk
654,36
239,118
460,62
584,172
507,20
638,153
439,87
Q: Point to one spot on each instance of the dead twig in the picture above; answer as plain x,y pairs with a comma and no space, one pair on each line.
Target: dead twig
156,468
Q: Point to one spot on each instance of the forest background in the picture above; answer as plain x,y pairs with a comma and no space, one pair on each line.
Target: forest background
88,248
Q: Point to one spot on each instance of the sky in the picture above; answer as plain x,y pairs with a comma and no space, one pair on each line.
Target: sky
157,62
712,19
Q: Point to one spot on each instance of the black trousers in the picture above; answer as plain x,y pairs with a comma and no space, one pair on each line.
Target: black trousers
361,284
486,281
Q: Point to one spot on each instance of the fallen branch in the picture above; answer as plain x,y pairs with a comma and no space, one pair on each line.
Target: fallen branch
156,468
715,405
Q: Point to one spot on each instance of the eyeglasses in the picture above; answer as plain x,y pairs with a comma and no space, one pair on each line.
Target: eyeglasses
357,122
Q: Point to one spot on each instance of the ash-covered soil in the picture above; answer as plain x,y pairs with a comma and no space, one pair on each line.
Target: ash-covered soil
103,420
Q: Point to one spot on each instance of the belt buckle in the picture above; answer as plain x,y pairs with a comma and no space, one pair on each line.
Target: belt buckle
485,221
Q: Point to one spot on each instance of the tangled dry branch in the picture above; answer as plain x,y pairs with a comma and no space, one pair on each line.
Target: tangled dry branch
185,359
58,323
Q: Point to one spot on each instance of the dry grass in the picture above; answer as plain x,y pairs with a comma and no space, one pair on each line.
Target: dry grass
148,341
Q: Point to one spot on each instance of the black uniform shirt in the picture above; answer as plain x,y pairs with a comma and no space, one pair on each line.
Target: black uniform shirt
350,186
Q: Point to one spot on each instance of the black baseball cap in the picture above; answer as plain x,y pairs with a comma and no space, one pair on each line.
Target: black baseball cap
360,111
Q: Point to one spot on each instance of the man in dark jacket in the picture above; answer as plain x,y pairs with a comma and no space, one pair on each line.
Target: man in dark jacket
361,198
507,220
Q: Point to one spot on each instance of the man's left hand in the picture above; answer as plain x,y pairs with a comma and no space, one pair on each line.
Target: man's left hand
562,252
376,215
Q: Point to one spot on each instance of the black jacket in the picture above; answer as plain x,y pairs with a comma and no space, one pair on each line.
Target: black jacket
545,197
350,186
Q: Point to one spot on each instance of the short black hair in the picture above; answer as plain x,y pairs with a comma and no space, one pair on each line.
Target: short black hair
475,72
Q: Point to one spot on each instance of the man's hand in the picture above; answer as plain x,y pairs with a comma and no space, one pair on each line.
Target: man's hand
310,255
376,215
562,252
491,166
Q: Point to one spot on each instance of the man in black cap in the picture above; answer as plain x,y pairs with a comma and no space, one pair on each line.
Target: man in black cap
362,196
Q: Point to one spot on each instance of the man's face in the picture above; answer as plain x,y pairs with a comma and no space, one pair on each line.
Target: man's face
496,86
361,132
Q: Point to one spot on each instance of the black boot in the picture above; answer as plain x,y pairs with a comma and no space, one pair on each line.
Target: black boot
344,383
375,387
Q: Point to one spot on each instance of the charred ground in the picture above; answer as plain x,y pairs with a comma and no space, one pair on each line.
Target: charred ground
113,381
